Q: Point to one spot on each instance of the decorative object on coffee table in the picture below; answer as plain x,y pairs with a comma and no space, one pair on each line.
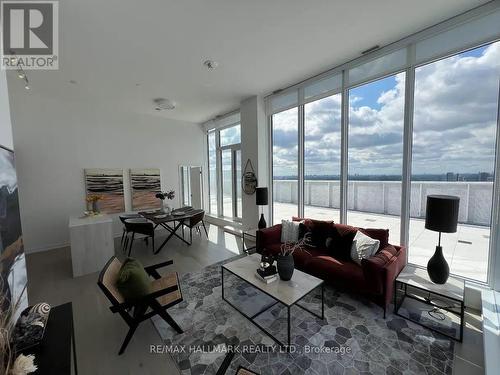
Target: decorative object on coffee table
441,216
262,199
285,260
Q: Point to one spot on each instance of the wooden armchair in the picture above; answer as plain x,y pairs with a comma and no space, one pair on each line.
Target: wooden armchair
166,292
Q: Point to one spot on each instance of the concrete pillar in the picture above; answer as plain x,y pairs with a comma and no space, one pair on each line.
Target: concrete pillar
254,146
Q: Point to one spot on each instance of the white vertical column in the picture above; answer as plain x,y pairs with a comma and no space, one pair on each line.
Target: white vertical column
407,148
343,148
254,146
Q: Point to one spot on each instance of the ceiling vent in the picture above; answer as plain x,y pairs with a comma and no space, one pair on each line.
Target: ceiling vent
162,104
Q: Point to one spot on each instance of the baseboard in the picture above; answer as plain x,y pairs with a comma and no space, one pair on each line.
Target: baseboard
56,246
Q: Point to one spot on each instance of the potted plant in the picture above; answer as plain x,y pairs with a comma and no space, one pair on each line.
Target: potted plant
285,261
169,195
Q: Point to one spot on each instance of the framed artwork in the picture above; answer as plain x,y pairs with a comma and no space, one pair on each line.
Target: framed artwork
108,184
145,184
13,277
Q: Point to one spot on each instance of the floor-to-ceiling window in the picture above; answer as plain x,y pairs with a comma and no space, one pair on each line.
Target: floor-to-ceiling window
285,164
375,152
224,157
454,137
367,142
322,143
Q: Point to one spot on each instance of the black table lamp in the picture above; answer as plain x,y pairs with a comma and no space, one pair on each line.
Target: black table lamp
261,199
441,216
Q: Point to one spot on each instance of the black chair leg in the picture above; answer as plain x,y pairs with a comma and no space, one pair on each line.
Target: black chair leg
190,235
125,244
130,333
123,237
153,242
131,242
166,316
204,227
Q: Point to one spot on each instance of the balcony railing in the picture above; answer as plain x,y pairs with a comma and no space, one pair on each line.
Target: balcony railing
384,197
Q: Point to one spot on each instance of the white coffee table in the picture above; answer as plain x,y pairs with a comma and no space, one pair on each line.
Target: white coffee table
286,292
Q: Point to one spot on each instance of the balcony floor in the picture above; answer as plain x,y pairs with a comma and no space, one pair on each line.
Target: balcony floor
466,250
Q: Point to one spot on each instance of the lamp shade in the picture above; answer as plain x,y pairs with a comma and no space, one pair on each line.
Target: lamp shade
442,213
261,197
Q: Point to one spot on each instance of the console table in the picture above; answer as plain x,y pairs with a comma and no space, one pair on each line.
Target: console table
56,354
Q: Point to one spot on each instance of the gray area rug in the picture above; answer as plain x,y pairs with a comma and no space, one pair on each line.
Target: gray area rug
354,338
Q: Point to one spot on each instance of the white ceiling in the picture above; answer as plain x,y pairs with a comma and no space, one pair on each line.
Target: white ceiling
110,46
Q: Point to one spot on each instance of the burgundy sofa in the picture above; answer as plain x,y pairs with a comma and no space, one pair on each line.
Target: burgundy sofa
374,278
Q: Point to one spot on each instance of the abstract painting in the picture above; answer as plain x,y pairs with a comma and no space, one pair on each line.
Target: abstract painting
145,183
107,183
13,278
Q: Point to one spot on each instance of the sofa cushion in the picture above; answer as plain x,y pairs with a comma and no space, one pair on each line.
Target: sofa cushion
290,231
378,234
341,237
335,271
363,247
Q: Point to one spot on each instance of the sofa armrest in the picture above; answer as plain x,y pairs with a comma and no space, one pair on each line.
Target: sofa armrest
381,270
268,236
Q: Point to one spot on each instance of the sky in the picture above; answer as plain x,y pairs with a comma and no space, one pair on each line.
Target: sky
454,127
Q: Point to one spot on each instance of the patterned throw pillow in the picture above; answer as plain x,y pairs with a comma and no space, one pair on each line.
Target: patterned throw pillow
290,231
363,247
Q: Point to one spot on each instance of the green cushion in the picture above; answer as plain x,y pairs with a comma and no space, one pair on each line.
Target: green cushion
133,281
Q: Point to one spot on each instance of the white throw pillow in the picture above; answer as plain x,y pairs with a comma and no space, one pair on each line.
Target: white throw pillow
363,247
290,231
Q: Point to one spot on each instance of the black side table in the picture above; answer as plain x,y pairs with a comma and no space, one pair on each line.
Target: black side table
56,354
414,283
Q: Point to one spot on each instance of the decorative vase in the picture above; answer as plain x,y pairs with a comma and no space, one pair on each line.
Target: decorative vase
95,207
285,266
437,267
166,207
262,222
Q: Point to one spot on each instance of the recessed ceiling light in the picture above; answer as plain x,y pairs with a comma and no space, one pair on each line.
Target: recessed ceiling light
210,64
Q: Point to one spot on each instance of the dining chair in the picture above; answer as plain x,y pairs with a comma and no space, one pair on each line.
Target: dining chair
195,221
139,226
165,293
123,217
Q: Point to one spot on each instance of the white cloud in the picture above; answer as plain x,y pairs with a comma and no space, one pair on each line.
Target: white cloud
454,123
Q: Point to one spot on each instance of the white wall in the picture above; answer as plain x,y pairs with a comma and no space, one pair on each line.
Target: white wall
55,140
5,125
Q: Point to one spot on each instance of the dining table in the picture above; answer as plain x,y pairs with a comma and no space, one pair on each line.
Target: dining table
170,221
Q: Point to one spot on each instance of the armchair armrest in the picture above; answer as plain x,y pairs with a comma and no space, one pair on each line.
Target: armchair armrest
152,270
144,300
382,269
268,236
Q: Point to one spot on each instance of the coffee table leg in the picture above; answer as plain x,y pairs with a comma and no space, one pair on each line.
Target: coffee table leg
288,308
222,277
322,302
